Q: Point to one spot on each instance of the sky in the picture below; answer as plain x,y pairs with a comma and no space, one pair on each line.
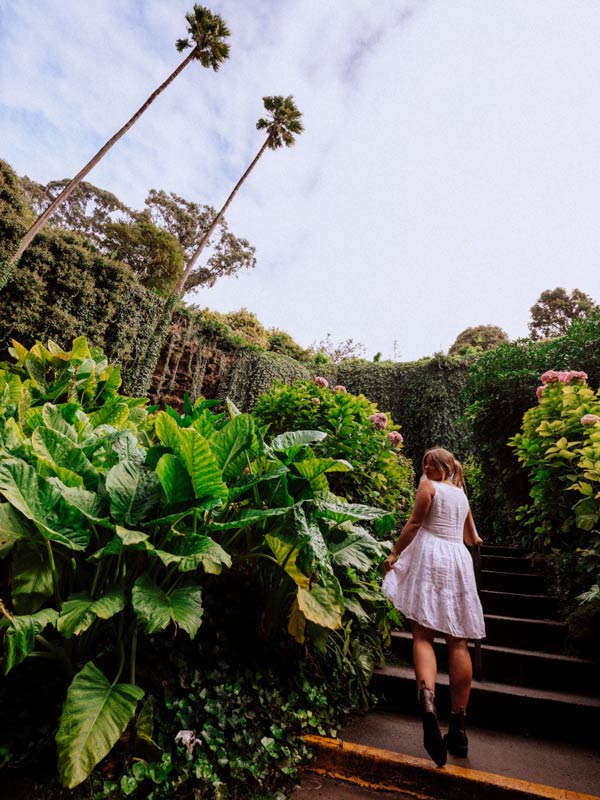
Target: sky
449,171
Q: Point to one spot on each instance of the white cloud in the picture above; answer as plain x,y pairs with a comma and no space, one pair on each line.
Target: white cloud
449,171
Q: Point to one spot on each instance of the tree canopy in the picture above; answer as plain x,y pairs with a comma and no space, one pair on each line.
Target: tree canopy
479,339
555,310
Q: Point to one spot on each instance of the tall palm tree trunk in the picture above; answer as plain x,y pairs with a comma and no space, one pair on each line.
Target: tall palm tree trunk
72,185
179,290
147,363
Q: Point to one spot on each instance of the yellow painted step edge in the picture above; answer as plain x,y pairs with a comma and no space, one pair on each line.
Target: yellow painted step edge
386,770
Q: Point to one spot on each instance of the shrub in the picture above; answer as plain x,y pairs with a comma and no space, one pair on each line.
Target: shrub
356,431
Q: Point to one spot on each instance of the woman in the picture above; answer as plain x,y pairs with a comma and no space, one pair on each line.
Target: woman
429,577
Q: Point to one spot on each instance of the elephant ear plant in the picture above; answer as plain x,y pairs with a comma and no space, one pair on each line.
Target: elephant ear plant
111,517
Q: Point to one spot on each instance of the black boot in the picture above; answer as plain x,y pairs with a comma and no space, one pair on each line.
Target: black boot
432,736
456,738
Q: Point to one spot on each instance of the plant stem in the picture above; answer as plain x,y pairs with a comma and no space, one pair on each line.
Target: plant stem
133,655
55,585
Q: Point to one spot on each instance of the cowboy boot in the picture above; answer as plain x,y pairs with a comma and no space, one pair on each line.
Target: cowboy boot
456,739
432,736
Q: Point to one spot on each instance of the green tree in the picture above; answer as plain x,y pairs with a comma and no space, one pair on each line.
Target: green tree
479,339
207,33
153,254
555,310
188,222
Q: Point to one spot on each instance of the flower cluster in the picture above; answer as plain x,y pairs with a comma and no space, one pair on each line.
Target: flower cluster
322,382
395,438
552,376
341,389
556,376
379,419
590,419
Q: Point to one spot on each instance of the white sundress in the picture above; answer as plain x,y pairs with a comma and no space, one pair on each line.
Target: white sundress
433,581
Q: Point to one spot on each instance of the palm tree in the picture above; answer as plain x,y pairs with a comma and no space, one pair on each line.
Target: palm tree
207,34
282,126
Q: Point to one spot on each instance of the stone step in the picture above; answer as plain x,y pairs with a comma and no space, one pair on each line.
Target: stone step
502,550
492,563
525,634
516,667
568,717
516,604
513,582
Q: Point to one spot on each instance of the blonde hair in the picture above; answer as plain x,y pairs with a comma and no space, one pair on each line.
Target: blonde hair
449,466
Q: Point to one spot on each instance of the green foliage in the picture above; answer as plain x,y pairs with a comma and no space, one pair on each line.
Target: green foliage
501,387
114,522
561,453
425,397
253,372
153,254
282,343
245,324
477,340
555,311
379,475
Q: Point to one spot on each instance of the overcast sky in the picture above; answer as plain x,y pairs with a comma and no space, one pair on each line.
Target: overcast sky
448,174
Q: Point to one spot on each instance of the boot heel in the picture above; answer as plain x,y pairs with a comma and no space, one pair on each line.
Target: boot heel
456,740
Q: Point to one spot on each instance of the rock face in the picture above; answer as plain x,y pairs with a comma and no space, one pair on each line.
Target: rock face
190,362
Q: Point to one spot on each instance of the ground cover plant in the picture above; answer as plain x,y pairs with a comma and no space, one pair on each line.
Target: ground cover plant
119,528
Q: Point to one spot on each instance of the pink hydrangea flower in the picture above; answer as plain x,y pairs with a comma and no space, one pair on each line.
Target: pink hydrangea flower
395,438
322,382
341,389
551,376
315,401
561,376
589,419
538,391
576,375
379,419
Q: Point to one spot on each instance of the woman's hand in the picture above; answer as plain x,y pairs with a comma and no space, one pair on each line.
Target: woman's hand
478,540
389,562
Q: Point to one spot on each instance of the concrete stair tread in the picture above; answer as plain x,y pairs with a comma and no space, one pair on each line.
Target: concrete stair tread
550,623
517,651
407,673
515,594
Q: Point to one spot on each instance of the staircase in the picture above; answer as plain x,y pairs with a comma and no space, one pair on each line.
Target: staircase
523,681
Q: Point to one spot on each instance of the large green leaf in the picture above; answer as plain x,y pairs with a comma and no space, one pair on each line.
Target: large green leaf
201,465
245,482
94,715
358,550
296,438
53,418
133,491
311,468
42,503
323,603
12,528
32,577
174,479
233,445
59,450
156,609
114,413
287,554
80,611
89,503
192,550
345,512
19,637
167,430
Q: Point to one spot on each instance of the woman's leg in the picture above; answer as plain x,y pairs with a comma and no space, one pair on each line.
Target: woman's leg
460,670
461,673
424,656
425,673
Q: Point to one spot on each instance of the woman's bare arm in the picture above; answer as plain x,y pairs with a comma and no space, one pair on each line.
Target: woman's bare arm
423,499
470,535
